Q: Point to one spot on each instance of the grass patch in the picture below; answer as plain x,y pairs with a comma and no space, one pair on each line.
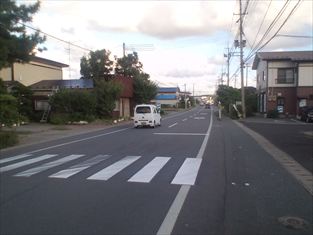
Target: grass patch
60,128
8,138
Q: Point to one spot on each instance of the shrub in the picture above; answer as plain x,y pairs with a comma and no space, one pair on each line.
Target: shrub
8,138
59,118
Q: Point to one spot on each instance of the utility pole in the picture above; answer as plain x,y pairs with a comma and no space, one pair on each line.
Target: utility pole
228,60
243,105
247,66
124,49
185,97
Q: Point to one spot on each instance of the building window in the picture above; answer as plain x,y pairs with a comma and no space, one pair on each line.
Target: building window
285,76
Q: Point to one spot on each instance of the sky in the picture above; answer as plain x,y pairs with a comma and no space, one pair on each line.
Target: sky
180,43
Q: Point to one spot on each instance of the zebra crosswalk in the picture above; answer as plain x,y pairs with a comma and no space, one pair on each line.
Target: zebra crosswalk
185,173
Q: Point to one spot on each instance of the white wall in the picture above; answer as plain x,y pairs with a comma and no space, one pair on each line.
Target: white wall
272,73
305,74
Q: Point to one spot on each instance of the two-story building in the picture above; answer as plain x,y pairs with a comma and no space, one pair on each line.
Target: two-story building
36,70
284,81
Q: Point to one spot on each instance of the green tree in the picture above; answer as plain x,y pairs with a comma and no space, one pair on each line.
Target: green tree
8,114
15,42
23,96
129,65
144,89
76,104
107,92
227,96
97,65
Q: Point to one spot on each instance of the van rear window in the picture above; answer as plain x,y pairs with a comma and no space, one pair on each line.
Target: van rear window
143,109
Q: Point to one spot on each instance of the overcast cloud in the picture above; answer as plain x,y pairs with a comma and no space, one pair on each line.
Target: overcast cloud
188,38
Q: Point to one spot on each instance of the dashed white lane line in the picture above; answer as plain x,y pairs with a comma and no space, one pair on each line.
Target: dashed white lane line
112,170
188,172
173,125
79,167
48,165
146,174
14,158
27,162
185,119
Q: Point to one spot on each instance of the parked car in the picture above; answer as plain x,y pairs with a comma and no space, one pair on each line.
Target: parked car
306,114
146,115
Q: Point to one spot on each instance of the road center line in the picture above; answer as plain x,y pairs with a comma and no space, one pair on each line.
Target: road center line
173,125
172,215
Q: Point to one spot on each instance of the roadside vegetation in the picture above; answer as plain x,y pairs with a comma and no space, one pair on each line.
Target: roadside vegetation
228,96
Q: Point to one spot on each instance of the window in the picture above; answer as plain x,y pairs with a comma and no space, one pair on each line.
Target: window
285,76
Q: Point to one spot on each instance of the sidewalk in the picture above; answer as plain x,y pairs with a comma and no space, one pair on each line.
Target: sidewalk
291,136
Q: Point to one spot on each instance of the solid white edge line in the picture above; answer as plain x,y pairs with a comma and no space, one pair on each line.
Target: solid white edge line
76,141
172,215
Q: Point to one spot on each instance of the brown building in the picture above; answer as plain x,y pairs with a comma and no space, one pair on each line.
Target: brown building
284,81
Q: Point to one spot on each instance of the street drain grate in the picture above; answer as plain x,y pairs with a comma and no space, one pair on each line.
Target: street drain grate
293,222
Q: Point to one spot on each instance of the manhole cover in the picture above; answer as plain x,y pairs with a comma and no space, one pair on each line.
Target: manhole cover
293,222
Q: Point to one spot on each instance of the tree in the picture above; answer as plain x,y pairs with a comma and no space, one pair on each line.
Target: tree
97,65
129,65
15,42
23,96
107,92
144,89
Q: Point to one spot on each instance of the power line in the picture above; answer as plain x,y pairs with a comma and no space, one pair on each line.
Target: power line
54,37
282,25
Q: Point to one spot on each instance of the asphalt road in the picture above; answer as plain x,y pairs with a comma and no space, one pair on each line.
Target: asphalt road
192,175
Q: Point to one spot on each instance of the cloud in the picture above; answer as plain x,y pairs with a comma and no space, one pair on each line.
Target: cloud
171,20
188,73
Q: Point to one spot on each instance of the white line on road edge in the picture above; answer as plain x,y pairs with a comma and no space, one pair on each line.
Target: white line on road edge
76,141
301,174
172,215
173,125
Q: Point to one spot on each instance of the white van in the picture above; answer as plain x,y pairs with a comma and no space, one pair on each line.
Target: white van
146,115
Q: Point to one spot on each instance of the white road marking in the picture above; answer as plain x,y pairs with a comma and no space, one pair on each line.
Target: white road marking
188,172
172,215
160,133
173,125
48,165
184,119
79,167
27,162
80,140
146,174
14,158
113,169
199,118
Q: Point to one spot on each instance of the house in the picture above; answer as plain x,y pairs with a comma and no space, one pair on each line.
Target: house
37,69
284,81
46,88
124,106
167,96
